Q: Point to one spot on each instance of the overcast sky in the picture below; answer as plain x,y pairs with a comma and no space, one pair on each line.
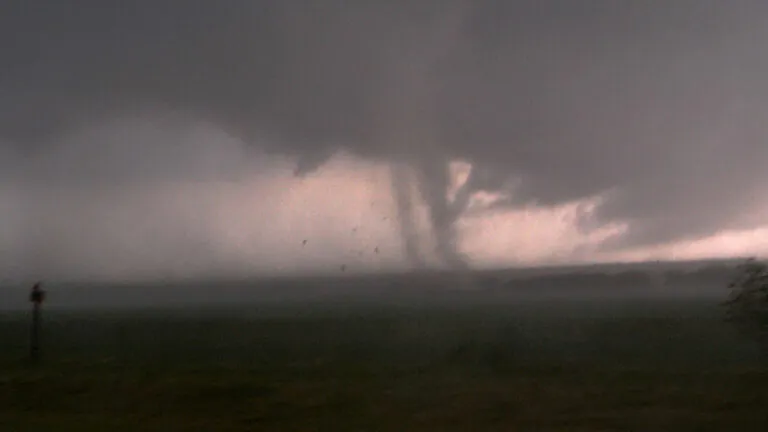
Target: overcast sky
190,138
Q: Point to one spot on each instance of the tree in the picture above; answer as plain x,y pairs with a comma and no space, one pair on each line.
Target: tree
747,304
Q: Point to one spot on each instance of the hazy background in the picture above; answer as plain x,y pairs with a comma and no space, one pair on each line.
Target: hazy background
193,138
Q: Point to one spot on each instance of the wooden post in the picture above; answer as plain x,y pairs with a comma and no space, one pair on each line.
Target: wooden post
36,297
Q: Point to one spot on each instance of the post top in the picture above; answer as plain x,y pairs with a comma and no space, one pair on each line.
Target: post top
38,295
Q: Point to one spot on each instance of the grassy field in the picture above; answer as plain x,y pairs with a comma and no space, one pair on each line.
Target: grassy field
531,366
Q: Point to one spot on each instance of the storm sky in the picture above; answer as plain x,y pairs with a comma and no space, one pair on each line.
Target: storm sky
184,137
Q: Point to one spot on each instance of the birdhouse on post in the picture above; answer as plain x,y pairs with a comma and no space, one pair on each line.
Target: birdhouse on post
37,296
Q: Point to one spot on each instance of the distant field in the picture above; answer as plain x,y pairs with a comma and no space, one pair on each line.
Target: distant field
539,366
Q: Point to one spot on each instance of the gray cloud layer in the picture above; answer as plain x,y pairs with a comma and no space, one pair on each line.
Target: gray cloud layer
661,103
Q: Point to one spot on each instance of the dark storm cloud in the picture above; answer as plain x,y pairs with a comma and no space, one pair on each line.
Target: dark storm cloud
661,103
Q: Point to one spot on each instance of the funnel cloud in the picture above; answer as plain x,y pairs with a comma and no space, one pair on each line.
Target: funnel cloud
656,107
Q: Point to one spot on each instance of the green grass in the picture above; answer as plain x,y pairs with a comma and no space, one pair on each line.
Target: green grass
532,367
